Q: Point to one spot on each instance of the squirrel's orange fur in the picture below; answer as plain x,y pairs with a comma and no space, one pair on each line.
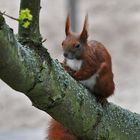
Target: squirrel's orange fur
89,63
58,132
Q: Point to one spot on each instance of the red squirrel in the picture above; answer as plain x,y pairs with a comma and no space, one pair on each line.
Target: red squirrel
89,63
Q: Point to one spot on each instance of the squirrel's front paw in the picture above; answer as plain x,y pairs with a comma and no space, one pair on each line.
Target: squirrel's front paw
77,76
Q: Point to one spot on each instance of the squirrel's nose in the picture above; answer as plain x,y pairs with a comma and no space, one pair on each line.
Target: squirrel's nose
65,54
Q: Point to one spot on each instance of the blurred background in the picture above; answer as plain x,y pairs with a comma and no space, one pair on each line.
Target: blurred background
114,23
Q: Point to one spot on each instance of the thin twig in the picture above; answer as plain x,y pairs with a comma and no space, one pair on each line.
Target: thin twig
43,40
4,13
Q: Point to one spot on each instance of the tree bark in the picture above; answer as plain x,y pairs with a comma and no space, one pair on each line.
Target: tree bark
27,67
31,34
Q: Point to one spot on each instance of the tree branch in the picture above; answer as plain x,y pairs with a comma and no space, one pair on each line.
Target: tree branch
31,70
31,34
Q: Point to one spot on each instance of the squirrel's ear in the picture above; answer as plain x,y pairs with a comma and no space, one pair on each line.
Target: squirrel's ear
84,33
67,26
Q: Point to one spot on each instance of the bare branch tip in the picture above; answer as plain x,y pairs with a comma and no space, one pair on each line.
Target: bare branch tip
44,40
4,14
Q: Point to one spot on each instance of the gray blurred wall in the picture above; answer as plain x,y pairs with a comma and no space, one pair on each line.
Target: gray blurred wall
115,23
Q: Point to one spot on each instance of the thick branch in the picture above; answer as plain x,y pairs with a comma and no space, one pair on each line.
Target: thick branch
32,71
31,34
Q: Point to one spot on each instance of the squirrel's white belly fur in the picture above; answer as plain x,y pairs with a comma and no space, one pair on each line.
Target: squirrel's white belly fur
75,64
90,82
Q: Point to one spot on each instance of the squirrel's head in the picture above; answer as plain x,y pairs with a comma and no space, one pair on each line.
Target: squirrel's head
74,44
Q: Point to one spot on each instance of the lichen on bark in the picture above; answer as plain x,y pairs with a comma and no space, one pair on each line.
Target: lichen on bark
27,67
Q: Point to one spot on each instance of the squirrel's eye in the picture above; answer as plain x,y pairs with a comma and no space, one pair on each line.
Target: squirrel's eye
77,46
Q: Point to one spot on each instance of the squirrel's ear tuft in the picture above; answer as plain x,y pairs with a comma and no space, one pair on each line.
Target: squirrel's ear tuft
67,26
84,33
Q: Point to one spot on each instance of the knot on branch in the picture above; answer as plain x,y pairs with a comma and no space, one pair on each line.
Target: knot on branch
2,21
